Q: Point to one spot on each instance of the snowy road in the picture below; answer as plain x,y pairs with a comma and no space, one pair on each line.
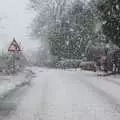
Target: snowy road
62,95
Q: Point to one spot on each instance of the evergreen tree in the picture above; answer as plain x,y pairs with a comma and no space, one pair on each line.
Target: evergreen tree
110,13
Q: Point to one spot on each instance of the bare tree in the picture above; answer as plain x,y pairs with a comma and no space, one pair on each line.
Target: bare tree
49,13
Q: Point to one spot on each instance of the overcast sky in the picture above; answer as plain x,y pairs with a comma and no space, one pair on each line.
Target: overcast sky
15,23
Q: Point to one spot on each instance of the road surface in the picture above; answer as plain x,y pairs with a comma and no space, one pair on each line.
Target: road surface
59,95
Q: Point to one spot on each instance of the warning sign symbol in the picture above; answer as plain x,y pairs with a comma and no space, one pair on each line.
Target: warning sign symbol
14,47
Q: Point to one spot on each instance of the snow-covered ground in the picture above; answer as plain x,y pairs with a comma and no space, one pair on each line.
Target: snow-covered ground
8,83
64,95
68,95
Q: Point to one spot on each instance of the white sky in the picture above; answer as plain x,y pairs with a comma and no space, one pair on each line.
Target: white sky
15,23
16,20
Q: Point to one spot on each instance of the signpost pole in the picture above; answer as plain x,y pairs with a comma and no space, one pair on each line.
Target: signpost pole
14,63
13,48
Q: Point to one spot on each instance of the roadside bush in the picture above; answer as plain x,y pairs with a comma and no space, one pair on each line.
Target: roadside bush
91,66
67,64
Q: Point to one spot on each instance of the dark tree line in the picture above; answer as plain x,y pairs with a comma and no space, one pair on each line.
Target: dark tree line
70,37
76,30
110,14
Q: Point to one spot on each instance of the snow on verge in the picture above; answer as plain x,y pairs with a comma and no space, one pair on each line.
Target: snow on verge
11,82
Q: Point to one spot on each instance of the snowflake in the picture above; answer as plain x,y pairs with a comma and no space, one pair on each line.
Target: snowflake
117,7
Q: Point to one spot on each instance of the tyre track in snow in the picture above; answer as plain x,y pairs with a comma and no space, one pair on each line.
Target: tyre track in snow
78,92
61,95
43,98
115,103
112,81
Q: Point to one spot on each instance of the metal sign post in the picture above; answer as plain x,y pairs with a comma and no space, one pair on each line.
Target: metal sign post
13,48
13,62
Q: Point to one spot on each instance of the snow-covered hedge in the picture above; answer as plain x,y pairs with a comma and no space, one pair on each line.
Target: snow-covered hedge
89,65
68,63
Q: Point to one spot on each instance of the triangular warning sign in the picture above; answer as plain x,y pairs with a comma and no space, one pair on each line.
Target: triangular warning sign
14,46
